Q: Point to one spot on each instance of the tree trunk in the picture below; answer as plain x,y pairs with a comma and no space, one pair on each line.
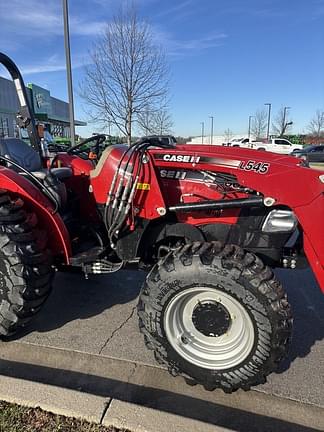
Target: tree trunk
129,128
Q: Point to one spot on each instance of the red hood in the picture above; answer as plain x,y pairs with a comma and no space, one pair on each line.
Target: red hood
236,152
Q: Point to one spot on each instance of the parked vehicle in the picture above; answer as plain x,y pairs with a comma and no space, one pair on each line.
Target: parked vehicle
207,223
276,145
312,153
164,139
237,142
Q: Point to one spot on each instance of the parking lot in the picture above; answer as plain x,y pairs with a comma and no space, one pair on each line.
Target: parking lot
86,338
98,316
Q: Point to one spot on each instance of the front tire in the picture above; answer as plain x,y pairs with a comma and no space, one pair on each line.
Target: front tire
215,315
25,266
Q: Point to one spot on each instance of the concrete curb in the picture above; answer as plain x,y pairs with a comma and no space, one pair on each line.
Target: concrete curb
66,402
136,418
108,379
95,409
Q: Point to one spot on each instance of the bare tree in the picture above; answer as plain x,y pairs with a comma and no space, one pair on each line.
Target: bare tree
128,73
228,135
162,122
145,121
316,125
155,121
259,125
281,123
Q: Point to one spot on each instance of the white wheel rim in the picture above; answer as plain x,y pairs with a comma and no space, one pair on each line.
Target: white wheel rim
209,352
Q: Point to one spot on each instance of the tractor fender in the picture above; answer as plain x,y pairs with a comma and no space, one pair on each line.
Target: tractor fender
37,202
181,230
154,234
136,243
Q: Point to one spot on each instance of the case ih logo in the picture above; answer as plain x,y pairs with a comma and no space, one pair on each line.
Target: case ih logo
181,158
221,161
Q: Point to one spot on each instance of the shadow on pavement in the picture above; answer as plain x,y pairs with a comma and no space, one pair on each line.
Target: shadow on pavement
73,298
186,406
307,303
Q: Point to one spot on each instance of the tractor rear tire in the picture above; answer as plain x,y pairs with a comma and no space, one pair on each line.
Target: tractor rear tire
216,315
26,272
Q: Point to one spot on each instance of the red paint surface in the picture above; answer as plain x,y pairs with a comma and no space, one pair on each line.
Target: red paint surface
59,240
291,185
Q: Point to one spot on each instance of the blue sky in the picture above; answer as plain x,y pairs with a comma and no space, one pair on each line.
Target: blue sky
227,57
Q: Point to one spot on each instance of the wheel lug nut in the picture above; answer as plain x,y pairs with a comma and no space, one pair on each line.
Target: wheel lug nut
184,340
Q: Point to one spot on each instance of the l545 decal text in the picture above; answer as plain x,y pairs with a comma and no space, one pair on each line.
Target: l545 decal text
258,167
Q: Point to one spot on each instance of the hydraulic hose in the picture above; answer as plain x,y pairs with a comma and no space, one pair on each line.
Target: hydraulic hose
119,200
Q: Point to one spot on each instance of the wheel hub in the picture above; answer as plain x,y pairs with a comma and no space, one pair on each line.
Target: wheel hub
209,328
211,319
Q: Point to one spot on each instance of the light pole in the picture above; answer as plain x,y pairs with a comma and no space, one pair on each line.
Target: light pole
284,120
211,129
202,131
285,114
68,68
269,115
249,134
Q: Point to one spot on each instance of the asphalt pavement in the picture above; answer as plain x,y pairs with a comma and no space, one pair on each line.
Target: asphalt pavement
98,316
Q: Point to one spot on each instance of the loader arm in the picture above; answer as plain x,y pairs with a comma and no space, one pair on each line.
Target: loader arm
311,219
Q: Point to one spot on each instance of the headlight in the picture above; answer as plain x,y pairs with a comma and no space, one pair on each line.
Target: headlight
280,221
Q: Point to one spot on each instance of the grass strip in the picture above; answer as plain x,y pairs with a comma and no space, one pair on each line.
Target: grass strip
16,418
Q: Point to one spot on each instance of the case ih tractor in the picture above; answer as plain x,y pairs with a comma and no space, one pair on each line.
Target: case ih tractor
207,223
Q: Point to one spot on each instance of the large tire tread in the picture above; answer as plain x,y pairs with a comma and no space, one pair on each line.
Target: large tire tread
246,267
25,263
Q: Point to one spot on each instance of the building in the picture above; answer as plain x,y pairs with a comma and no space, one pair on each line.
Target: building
51,112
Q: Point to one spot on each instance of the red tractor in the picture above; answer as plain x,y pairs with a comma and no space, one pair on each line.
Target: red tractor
207,223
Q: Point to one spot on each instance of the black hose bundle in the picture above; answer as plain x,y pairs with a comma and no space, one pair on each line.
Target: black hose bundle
123,187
